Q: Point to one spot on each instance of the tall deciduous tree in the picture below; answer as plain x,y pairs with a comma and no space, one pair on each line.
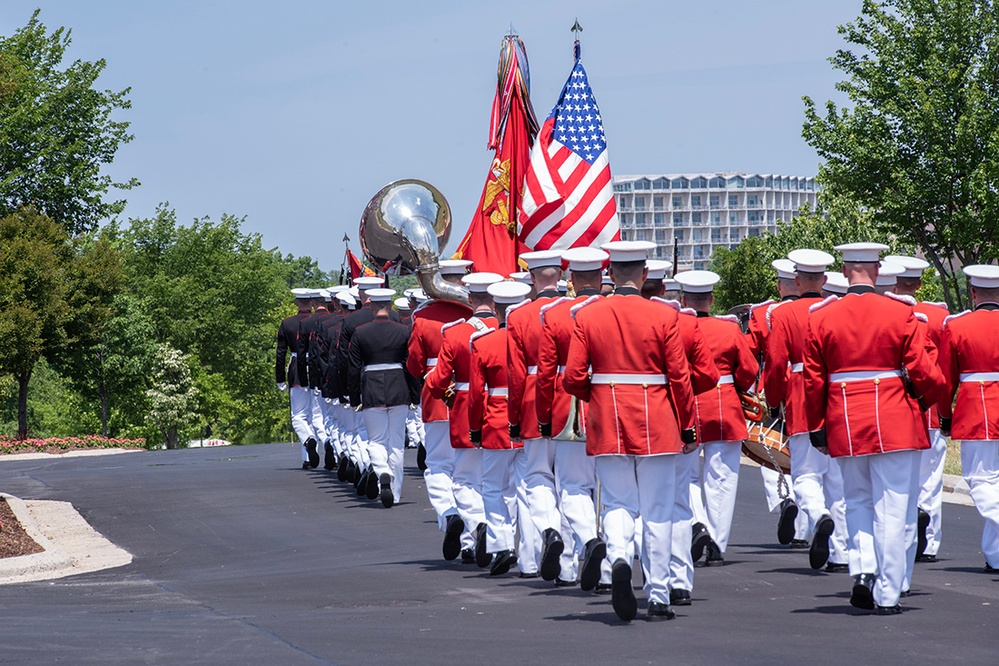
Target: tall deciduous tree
56,130
173,394
34,253
919,143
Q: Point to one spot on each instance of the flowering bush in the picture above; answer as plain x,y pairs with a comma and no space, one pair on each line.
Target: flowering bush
11,445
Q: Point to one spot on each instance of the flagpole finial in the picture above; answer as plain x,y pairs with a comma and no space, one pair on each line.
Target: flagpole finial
346,238
512,32
576,29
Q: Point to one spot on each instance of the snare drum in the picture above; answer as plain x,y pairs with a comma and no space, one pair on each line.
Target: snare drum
767,438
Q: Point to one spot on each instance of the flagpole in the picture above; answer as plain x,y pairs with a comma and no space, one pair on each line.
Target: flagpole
343,264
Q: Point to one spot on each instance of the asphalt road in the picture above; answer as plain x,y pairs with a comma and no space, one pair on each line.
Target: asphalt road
241,557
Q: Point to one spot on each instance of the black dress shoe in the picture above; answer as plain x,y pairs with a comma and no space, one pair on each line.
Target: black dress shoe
593,555
926,557
385,490
329,457
714,555
362,483
529,574
862,595
467,556
679,597
659,612
565,583
699,540
482,558
622,594
371,491
502,561
922,525
341,470
818,554
360,479
904,593
313,449
604,588
889,610
421,457
785,523
452,537
799,543
305,465
837,567
989,568
551,551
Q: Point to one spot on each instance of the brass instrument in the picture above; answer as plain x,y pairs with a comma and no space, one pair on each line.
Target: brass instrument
409,222
574,430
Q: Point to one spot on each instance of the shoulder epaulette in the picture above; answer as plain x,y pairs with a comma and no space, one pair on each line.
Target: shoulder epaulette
921,317
815,307
764,304
688,311
511,308
771,308
579,306
729,318
954,316
666,301
901,298
939,305
477,335
548,306
422,305
450,324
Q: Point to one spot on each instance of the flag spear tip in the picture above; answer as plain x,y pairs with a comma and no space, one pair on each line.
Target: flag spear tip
576,27
512,32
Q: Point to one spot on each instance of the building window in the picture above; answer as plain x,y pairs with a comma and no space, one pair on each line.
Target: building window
695,219
659,220
716,219
622,187
695,200
755,181
698,183
734,234
660,184
736,181
640,234
678,220
659,202
643,184
714,201
733,218
716,235
717,183
660,236
733,200
677,201
680,184
752,201
639,202
754,232
696,237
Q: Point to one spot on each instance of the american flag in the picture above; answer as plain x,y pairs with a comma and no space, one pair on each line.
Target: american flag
568,200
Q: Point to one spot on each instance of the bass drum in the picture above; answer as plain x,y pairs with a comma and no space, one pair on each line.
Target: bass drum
764,440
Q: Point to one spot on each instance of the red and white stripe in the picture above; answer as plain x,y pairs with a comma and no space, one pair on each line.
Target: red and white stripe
566,201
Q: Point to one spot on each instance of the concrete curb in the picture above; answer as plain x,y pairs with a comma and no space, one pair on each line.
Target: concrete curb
84,453
70,545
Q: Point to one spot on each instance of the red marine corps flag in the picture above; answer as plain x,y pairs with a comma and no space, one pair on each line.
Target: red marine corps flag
568,199
491,240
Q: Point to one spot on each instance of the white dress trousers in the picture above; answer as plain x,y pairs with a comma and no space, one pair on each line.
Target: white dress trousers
931,471
818,490
499,497
980,466
318,416
540,481
713,489
467,484
576,480
301,410
440,467
386,429
681,566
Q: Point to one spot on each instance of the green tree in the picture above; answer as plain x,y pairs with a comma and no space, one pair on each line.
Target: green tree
56,130
173,394
919,143
34,253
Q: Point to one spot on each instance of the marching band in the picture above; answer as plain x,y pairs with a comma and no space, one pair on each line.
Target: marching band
578,435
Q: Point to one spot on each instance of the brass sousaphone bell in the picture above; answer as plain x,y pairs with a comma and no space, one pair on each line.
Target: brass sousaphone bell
574,431
409,222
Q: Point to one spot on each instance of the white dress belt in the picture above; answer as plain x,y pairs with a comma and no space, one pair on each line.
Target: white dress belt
864,375
461,386
797,367
622,378
498,392
294,354
375,367
431,362
725,379
532,369
980,376
561,369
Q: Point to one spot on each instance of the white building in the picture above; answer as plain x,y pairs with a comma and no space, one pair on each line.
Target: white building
706,210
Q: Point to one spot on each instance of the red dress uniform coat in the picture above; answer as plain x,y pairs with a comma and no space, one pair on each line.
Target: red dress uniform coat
719,412
425,346
871,337
969,345
935,313
627,336
454,364
487,392
783,378
758,329
703,371
523,325
551,401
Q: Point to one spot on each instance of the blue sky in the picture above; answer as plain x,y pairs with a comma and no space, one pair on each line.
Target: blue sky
295,113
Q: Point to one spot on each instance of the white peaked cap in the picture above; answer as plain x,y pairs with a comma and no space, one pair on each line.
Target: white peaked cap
401,303
657,269
408,292
983,276
508,291
628,250
381,295
670,284
302,293
327,294
368,282
697,282
888,273
454,266
562,286
585,258
345,298
337,288
355,292
784,268
606,279
913,267
810,261
522,276
836,283
478,283
862,252
542,259
419,295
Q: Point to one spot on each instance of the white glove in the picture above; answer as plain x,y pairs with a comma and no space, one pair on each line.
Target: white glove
317,392
283,386
329,401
